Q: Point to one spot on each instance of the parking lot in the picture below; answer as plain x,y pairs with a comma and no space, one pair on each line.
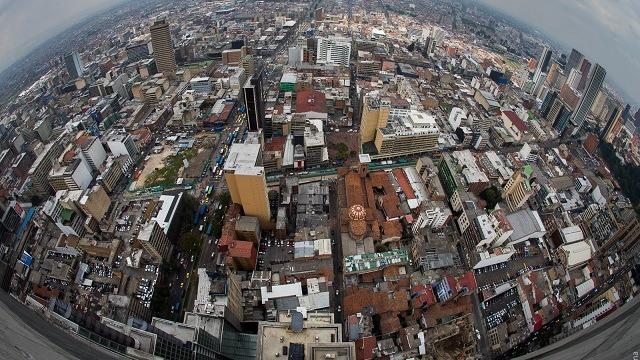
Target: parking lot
274,251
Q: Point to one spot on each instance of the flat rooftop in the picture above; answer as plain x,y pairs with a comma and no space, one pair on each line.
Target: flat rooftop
242,156
273,337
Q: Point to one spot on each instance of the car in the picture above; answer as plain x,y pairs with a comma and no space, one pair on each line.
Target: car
181,285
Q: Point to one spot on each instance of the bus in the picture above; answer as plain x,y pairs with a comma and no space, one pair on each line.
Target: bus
210,191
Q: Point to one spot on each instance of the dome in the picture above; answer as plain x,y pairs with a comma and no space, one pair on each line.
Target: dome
357,213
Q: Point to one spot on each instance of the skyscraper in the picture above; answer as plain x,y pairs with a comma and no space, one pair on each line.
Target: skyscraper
543,63
574,60
74,65
585,67
613,126
588,96
253,102
246,181
163,47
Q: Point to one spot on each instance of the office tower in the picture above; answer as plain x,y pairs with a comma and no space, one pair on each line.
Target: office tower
74,65
518,189
375,113
253,102
588,96
626,113
163,47
123,144
39,171
613,126
575,76
92,151
547,102
543,63
154,241
574,60
585,66
248,64
333,51
246,181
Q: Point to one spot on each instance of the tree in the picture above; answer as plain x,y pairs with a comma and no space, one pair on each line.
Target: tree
380,247
411,47
492,196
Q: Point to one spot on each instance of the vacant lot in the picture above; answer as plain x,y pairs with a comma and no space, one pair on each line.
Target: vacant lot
168,172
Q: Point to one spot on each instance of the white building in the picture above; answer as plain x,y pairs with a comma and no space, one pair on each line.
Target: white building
583,185
295,56
201,85
435,218
123,144
456,116
333,51
93,152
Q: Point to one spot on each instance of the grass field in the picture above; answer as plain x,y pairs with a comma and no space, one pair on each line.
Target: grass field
168,174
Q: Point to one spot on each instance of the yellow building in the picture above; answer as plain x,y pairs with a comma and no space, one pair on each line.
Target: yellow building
246,181
518,189
375,113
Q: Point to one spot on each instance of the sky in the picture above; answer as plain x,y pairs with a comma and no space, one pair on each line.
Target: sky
605,31
25,24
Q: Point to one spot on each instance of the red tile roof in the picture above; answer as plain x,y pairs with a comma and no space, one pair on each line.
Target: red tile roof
423,296
241,249
404,183
392,228
516,121
310,100
468,280
365,348
276,144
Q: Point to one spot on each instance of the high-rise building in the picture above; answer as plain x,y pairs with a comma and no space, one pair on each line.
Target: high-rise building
74,65
575,76
613,126
589,96
163,47
375,113
333,51
574,60
547,102
246,181
585,67
518,189
253,102
123,144
543,63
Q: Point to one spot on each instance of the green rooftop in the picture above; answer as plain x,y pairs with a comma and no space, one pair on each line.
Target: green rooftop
375,261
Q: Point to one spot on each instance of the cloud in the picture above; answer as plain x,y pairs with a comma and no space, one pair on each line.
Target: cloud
25,24
606,31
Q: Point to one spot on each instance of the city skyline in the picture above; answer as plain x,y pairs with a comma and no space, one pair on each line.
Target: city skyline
25,25
603,31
